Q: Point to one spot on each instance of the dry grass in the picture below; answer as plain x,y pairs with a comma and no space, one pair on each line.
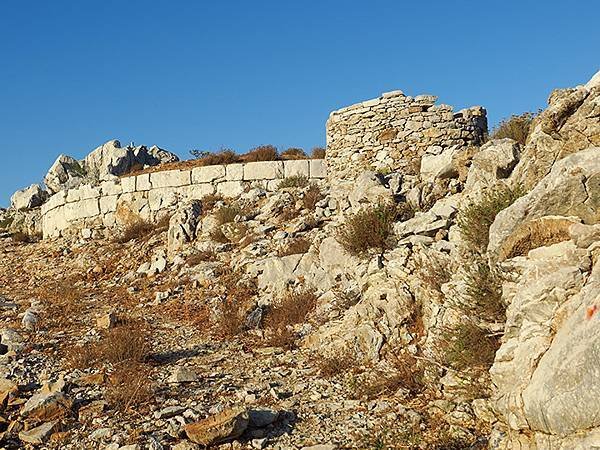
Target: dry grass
475,220
127,343
130,386
294,153
139,229
200,257
25,238
339,363
63,301
295,181
292,309
239,298
515,127
227,214
317,153
311,197
295,247
209,202
405,373
369,229
261,153
433,270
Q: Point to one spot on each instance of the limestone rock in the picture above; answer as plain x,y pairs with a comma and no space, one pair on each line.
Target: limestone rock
571,188
223,427
38,435
46,406
28,198
495,161
569,124
368,189
65,173
183,224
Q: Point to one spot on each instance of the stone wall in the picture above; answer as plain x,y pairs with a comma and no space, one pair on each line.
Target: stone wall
149,195
393,132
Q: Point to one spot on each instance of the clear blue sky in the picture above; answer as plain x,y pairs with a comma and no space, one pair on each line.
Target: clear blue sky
196,74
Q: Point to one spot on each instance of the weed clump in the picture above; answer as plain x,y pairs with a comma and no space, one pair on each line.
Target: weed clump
295,181
475,220
136,230
292,309
317,153
261,153
368,229
294,153
468,346
515,127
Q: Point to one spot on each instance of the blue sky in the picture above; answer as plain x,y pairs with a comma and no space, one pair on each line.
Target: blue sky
195,74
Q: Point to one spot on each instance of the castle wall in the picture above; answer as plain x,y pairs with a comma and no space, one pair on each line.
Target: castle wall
392,133
149,195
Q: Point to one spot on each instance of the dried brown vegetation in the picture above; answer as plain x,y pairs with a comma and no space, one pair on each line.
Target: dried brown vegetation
475,220
294,153
515,127
317,153
295,181
311,197
261,153
368,229
292,309
129,342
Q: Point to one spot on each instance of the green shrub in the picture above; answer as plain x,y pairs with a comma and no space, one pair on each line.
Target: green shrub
295,181
468,346
368,229
475,220
483,292
515,127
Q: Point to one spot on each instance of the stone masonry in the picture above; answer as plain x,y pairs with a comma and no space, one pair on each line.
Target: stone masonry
391,134
147,196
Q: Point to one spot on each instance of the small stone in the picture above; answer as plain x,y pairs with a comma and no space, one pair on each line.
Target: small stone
107,321
38,435
183,374
223,427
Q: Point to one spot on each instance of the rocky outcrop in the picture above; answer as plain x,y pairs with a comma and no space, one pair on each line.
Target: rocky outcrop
28,198
569,124
570,189
65,173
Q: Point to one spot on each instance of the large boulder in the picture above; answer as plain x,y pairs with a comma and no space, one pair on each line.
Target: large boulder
568,125
107,161
30,197
494,162
65,173
572,188
545,374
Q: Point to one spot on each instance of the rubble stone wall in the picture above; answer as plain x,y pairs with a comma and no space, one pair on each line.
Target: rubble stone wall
149,195
391,133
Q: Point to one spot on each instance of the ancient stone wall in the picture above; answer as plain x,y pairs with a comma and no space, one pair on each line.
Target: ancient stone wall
392,133
149,195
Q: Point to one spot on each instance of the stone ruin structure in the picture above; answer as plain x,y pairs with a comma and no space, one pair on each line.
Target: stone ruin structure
394,132
390,134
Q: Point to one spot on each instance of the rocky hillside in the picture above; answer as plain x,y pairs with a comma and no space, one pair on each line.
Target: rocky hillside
449,304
